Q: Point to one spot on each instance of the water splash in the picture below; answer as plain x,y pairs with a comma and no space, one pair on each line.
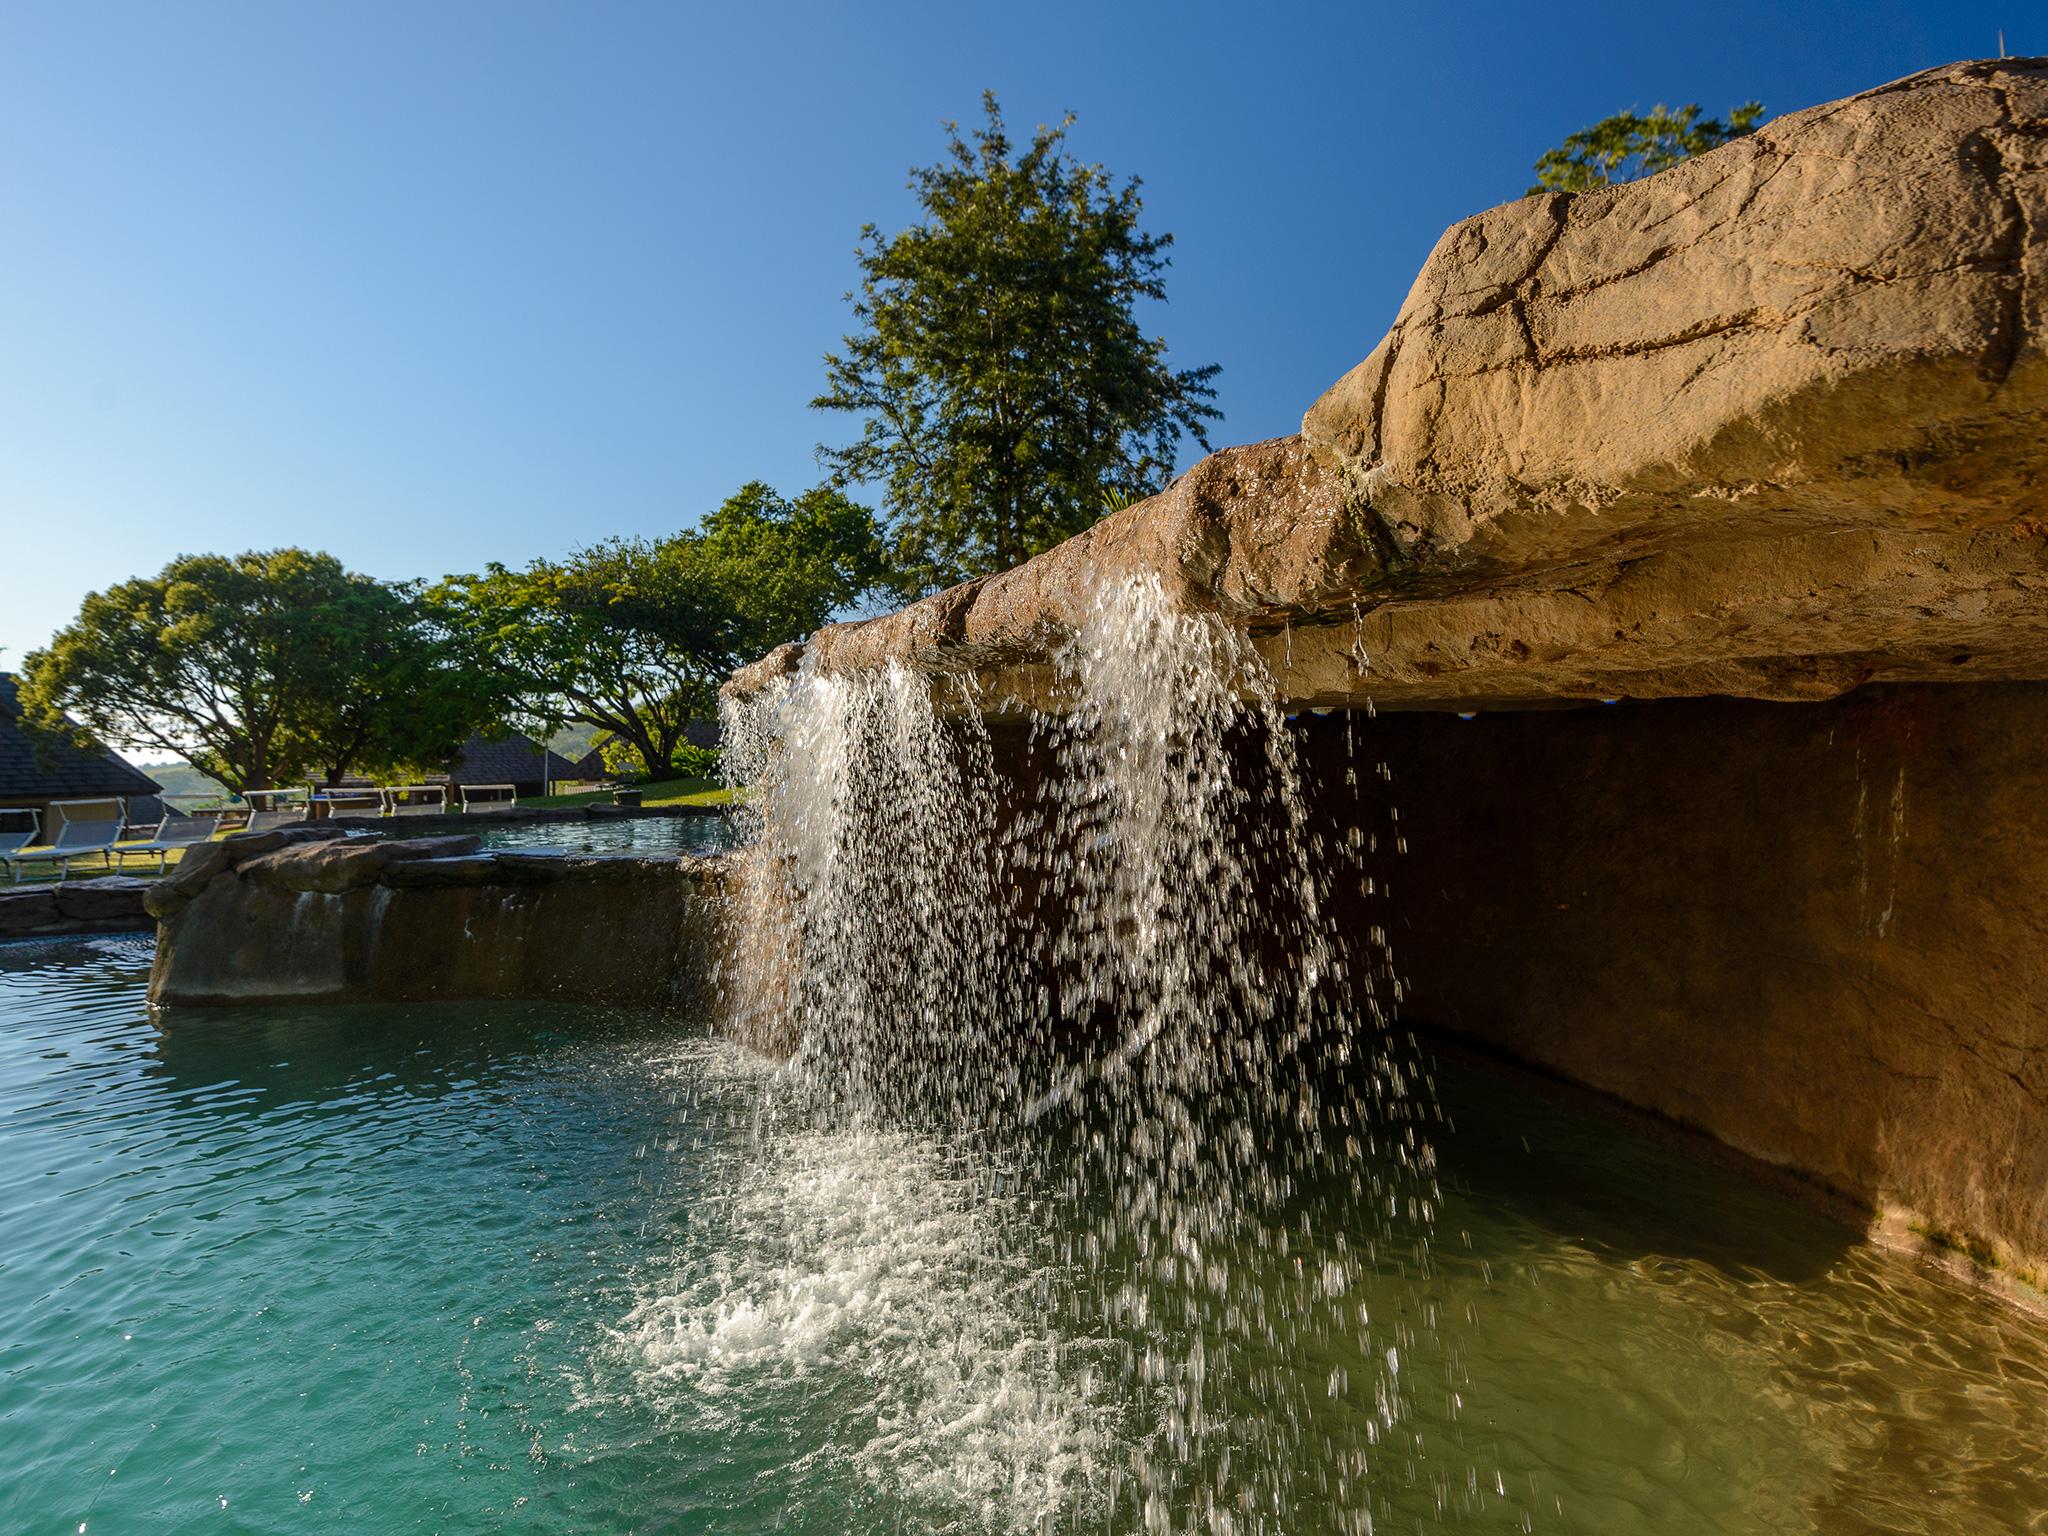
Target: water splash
1108,943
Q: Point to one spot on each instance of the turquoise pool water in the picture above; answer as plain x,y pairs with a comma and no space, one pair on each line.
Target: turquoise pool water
640,834
550,1269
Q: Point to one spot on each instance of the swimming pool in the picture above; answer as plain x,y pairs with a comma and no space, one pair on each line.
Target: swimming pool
637,834
555,1268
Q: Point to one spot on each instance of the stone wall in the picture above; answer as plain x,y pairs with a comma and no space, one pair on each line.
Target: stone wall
1816,932
106,904
310,915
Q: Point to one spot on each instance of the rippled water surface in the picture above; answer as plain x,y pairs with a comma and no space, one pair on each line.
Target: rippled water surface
526,1267
635,834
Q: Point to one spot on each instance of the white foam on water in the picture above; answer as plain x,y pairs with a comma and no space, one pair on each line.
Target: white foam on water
896,1277
859,1256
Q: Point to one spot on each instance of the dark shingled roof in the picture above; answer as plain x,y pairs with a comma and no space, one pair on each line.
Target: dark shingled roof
57,770
513,759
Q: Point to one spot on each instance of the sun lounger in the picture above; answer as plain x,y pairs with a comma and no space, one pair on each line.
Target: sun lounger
175,833
270,809
415,800
489,797
366,800
79,836
14,839
145,814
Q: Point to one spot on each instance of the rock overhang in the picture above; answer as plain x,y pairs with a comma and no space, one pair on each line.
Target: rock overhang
1768,424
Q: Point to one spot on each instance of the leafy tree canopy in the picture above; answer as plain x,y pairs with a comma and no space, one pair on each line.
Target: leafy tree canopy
399,694
787,566
252,667
999,369
634,636
1627,146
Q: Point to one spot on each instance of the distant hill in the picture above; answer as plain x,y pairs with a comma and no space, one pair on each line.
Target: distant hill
183,779
572,741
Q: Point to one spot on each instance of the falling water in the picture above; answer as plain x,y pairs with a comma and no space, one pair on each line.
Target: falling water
1105,942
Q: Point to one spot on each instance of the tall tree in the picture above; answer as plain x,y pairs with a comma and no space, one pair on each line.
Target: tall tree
634,636
1626,147
622,636
1000,372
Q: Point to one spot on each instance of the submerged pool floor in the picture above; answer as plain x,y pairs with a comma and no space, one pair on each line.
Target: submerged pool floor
544,1268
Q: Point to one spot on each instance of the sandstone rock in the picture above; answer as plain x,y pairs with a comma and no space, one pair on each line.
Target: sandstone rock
196,867
1812,932
457,869
354,920
330,866
1826,322
199,865
104,904
333,865
1769,424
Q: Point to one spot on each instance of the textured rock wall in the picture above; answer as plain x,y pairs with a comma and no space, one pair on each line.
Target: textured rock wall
1817,932
307,915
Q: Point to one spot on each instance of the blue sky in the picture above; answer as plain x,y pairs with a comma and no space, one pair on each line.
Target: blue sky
427,285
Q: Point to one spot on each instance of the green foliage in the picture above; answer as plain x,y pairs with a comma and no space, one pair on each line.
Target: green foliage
783,566
1626,146
634,636
999,370
251,667
624,762
399,694
694,762
619,636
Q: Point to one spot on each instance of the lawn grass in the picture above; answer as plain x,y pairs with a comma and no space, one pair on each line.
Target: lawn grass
669,792
46,875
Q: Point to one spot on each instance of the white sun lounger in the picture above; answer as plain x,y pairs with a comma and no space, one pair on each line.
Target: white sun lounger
78,837
489,797
15,839
176,832
270,809
415,800
366,800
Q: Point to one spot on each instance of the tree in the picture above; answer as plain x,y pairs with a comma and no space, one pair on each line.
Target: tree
622,635
1626,147
254,668
207,659
634,636
787,566
399,693
1002,377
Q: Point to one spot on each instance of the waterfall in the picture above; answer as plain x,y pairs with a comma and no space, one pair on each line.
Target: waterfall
1106,937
